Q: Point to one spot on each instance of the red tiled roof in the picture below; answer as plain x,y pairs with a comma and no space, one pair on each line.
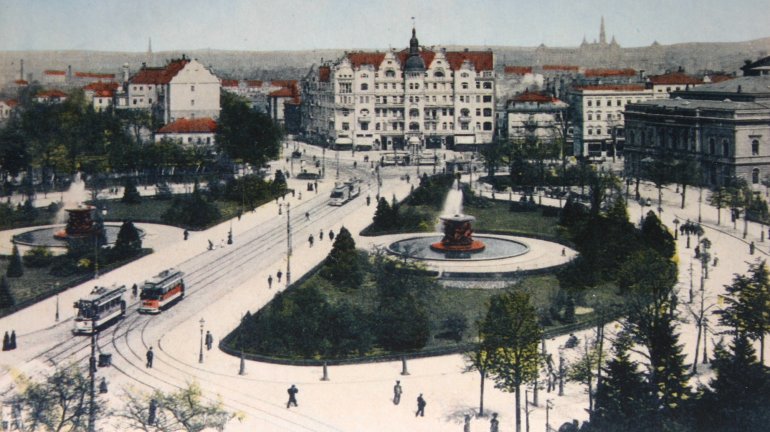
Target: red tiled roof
366,58
568,68
674,78
11,102
324,72
230,83
54,72
101,86
254,83
283,83
197,125
51,94
103,93
538,97
427,57
518,70
21,82
283,92
159,75
94,75
482,60
612,87
628,72
719,78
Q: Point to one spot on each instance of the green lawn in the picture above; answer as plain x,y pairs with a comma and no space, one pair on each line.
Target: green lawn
151,210
495,216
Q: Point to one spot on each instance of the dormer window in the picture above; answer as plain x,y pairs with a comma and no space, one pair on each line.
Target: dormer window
464,75
390,73
439,74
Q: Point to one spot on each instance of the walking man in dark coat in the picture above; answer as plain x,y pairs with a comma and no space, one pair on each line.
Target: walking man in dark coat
494,423
12,342
150,355
293,390
397,393
420,406
209,340
279,274
270,281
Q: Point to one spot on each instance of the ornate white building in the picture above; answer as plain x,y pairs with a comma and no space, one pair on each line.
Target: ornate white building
413,98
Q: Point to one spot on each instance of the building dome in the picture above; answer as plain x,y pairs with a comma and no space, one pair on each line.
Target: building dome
414,63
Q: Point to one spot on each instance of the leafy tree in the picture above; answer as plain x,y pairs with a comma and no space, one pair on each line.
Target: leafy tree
383,216
623,401
738,397
480,360
511,335
343,264
184,410
61,402
719,199
246,134
686,173
583,369
39,256
129,242
403,324
569,310
660,172
6,296
747,309
130,193
656,236
15,267
193,211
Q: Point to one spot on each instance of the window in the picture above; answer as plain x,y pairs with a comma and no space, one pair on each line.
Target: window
725,148
413,126
712,146
598,102
345,126
478,112
465,86
590,116
487,98
598,131
464,75
598,116
414,112
465,112
192,88
755,148
192,102
755,176
439,74
590,102
487,126
590,131
464,126
617,102
364,126
377,126
364,86
487,85
487,112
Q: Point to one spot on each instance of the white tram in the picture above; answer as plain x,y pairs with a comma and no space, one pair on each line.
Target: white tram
344,192
100,308
163,290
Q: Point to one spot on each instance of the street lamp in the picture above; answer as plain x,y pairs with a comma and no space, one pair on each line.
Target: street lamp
676,228
548,408
200,355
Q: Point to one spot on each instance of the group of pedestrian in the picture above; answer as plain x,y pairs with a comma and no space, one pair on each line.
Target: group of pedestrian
278,274
311,238
9,342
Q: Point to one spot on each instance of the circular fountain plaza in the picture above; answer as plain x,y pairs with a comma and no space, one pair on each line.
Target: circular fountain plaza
457,253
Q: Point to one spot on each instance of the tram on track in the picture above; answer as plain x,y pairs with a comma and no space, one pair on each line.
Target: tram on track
100,308
162,291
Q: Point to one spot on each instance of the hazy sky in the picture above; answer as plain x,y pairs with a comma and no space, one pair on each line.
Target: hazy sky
126,25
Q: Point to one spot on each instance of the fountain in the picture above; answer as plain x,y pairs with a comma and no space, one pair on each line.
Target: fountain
79,224
458,235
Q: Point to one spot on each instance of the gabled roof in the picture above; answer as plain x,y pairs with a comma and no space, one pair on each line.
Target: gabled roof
357,59
103,93
159,75
230,83
324,72
196,125
282,92
54,72
481,60
51,94
674,78
628,72
611,87
717,78
254,83
567,68
538,97
517,70
101,86
10,102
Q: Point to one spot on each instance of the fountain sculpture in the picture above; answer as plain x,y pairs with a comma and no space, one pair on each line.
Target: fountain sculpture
458,235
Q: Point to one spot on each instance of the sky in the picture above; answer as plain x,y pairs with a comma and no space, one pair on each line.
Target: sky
268,25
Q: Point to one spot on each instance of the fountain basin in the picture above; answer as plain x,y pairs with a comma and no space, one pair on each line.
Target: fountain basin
482,248
49,236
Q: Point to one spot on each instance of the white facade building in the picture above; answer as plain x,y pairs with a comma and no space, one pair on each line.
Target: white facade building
535,116
412,98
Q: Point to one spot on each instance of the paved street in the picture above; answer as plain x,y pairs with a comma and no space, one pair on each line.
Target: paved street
228,281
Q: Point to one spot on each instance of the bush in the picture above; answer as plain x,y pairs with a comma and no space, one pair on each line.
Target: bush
193,211
130,194
37,257
454,326
15,268
164,192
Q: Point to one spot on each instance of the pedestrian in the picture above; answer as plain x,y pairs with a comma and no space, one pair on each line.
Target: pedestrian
751,248
307,215
186,234
134,290
6,342
467,425
368,200
494,423
293,390
716,260
211,245
310,240
279,274
299,196
321,235
150,355
315,183
209,340
103,386
397,393
12,340
270,281
563,252
331,235
420,406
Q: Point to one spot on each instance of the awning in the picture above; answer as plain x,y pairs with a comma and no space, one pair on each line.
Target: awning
343,141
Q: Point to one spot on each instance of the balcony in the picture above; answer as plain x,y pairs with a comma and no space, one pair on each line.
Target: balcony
465,119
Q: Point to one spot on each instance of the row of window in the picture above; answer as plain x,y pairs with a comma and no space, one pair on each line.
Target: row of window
618,102
684,140
610,116
415,86
444,99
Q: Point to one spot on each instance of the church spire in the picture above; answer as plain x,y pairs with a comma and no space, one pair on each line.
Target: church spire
602,36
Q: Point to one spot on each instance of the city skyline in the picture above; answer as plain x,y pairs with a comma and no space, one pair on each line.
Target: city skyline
306,25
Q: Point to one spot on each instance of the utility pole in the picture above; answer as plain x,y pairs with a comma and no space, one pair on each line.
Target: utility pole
288,244
92,376
337,157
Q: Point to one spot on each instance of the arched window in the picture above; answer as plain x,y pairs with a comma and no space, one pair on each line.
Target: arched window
755,176
725,148
364,112
364,86
390,73
464,75
755,148
439,74
465,86
414,112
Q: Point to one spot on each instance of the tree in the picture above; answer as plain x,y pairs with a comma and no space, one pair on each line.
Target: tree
186,409
686,173
128,242
659,171
582,370
383,216
479,360
657,237
130,194
246,134
719,199
343,264
15,267
622,400
747,309
738,397
60,402
6,296
511,335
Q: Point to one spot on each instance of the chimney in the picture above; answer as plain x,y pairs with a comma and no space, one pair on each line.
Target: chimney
21,69
125,72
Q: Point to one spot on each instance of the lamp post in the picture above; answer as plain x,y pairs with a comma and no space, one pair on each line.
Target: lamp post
200,355
323,162
676,228
288,244
56,318
337,158
548,408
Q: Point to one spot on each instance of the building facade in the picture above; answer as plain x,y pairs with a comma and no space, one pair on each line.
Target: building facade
723,128
535,117
190,132
414,98
597,113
